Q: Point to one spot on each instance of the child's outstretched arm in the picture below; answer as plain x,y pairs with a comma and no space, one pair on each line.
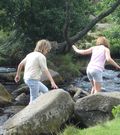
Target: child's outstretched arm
20,67
82,52
53,85
110,60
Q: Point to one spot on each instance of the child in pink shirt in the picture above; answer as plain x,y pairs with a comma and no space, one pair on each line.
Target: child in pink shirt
100,54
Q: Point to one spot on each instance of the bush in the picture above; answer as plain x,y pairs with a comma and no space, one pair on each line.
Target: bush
66,66
13,48
113,35
3,36
116,111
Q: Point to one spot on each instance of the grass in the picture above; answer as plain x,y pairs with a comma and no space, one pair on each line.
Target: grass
108,128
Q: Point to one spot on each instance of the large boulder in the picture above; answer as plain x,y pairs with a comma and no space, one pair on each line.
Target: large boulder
5,96
56,76
96,108
43,116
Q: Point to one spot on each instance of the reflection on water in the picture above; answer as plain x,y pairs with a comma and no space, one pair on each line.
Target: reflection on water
111,81
7,70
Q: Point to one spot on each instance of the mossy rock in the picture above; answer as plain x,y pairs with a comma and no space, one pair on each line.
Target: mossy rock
5,96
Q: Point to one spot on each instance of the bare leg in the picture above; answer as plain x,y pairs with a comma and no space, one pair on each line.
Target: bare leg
97,87
93,89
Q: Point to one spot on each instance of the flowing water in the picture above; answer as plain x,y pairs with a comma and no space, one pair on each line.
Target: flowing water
111,81
7,70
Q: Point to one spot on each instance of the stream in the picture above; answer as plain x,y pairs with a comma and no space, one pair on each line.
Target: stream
111,81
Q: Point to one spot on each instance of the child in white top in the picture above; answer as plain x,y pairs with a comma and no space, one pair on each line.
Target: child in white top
34,65
100,53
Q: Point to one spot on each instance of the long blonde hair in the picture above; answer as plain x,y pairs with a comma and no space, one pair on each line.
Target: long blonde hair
42,45
102,41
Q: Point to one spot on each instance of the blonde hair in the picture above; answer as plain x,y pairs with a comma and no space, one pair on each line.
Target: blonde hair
42,45
102,41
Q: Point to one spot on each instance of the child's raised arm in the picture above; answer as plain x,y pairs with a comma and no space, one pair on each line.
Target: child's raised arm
82,52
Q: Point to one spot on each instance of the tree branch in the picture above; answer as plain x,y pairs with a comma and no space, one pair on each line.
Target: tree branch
82,33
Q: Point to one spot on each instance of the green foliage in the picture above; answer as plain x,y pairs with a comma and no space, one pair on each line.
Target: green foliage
103,5
70,130
113,35
3,36
116,16
80,11
43,19
108,128
38,19
66,67
13,48
116,111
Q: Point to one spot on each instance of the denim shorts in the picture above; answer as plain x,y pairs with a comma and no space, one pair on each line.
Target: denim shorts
94,75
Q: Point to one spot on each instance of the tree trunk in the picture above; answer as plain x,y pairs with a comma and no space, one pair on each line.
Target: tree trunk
66,28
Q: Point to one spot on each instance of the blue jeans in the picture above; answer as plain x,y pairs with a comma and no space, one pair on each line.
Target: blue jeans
36,87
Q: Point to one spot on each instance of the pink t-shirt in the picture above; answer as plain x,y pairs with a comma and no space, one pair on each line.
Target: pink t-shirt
98,58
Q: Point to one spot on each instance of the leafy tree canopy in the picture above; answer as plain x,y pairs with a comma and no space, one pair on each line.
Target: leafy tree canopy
43,18
26,21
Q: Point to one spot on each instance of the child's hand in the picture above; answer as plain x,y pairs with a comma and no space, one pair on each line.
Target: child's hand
53,85
73,46
17,78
